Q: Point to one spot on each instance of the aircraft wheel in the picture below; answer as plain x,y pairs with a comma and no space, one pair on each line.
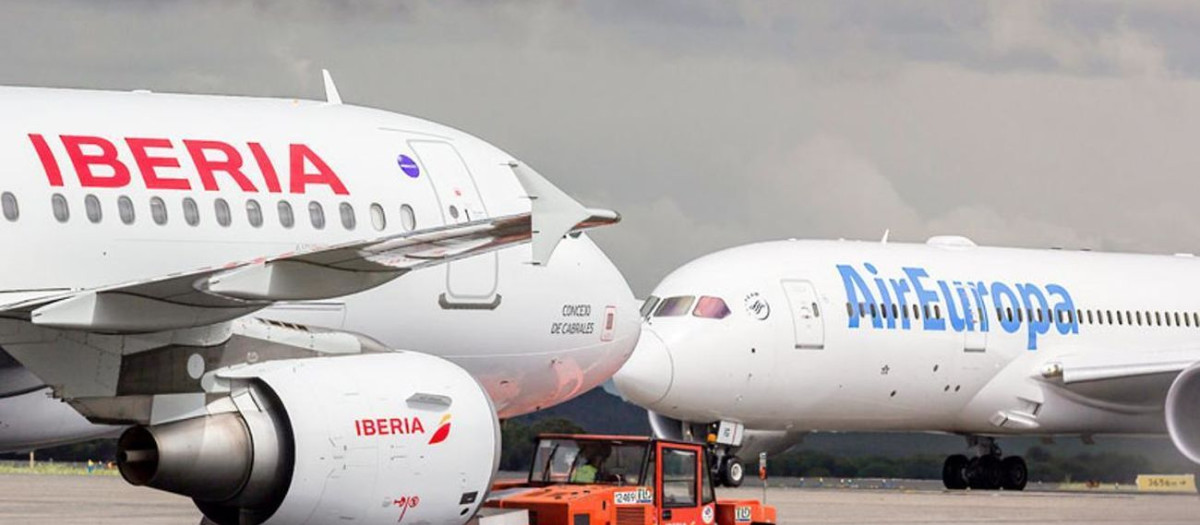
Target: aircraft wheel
952,472
983,473
1013,473
733,473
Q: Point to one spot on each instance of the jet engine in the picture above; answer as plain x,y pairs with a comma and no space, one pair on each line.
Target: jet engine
371,438
1182,410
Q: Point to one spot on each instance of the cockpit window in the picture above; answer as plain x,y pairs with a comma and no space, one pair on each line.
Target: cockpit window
675,306
711,308
648,306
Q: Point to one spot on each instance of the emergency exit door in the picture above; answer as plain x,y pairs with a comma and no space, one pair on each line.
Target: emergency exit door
470,283
806,314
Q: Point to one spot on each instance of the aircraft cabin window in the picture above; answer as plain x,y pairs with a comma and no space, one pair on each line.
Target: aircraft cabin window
125,209
883,311
648,306
1158,318
1177,319
91,205
937,312
1139,318
874,311
1039,311
349,221
378,217
1089,316
286,217
254,213
158,210
711,308
408,218
862,309
1195,319
316,213
916,312
62,212
9,202
224,216
895,311
191,212
674,306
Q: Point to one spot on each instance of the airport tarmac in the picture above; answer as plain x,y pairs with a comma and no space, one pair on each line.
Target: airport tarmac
51,499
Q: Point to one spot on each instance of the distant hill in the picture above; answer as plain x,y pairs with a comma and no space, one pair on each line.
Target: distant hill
598,412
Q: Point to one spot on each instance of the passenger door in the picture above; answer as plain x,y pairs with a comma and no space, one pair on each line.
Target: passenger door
805,313
471,284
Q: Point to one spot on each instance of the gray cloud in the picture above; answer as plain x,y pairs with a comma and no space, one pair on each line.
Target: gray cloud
711,124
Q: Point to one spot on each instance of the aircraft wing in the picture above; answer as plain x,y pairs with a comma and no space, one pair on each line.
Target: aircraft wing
212,295
1129,378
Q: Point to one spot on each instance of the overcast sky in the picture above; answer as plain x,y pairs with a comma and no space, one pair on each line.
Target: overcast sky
709,124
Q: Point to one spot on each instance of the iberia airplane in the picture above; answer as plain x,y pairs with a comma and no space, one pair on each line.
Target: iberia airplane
760,344
296,310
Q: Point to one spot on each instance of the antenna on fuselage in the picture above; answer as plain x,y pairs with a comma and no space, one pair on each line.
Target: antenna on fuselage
331,92
885,236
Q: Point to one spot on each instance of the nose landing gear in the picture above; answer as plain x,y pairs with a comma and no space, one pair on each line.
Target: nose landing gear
988,470
732,472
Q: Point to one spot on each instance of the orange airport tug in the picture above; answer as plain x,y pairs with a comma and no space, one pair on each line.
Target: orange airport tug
622,480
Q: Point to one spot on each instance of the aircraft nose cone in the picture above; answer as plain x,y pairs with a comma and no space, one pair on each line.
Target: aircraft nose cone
646,378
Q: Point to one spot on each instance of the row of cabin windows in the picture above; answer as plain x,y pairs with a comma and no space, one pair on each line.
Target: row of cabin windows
221,210
1096,317
893,311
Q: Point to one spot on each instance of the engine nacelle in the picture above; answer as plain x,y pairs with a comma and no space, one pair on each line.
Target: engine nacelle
1182,411
369,439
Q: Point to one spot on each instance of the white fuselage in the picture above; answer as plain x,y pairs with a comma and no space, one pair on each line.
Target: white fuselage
973,364
111,187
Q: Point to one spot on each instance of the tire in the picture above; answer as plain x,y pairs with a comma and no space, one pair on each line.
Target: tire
983,473
1013,473
952,472
733,473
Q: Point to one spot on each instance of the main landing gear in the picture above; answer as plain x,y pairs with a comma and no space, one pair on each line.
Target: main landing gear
988,470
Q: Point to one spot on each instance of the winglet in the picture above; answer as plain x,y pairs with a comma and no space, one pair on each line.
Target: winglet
331,92
555,213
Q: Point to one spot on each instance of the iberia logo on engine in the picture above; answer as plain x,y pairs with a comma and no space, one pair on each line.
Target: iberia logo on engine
401,426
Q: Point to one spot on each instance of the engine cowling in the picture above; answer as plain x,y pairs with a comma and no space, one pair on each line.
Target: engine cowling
1182,411
370,439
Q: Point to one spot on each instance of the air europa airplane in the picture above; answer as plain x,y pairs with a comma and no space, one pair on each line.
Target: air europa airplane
760,344
261,292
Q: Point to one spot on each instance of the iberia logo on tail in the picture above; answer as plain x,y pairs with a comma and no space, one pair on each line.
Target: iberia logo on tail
442,432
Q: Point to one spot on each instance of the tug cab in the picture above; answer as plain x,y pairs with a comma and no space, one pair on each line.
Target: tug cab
622,480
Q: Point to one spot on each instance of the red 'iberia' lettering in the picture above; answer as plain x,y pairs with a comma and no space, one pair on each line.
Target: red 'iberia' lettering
97,163
388,426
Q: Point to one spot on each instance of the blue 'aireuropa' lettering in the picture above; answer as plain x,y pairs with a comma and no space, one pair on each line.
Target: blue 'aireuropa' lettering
964,302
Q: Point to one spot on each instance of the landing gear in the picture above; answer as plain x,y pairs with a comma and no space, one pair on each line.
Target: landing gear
732,471
988,470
